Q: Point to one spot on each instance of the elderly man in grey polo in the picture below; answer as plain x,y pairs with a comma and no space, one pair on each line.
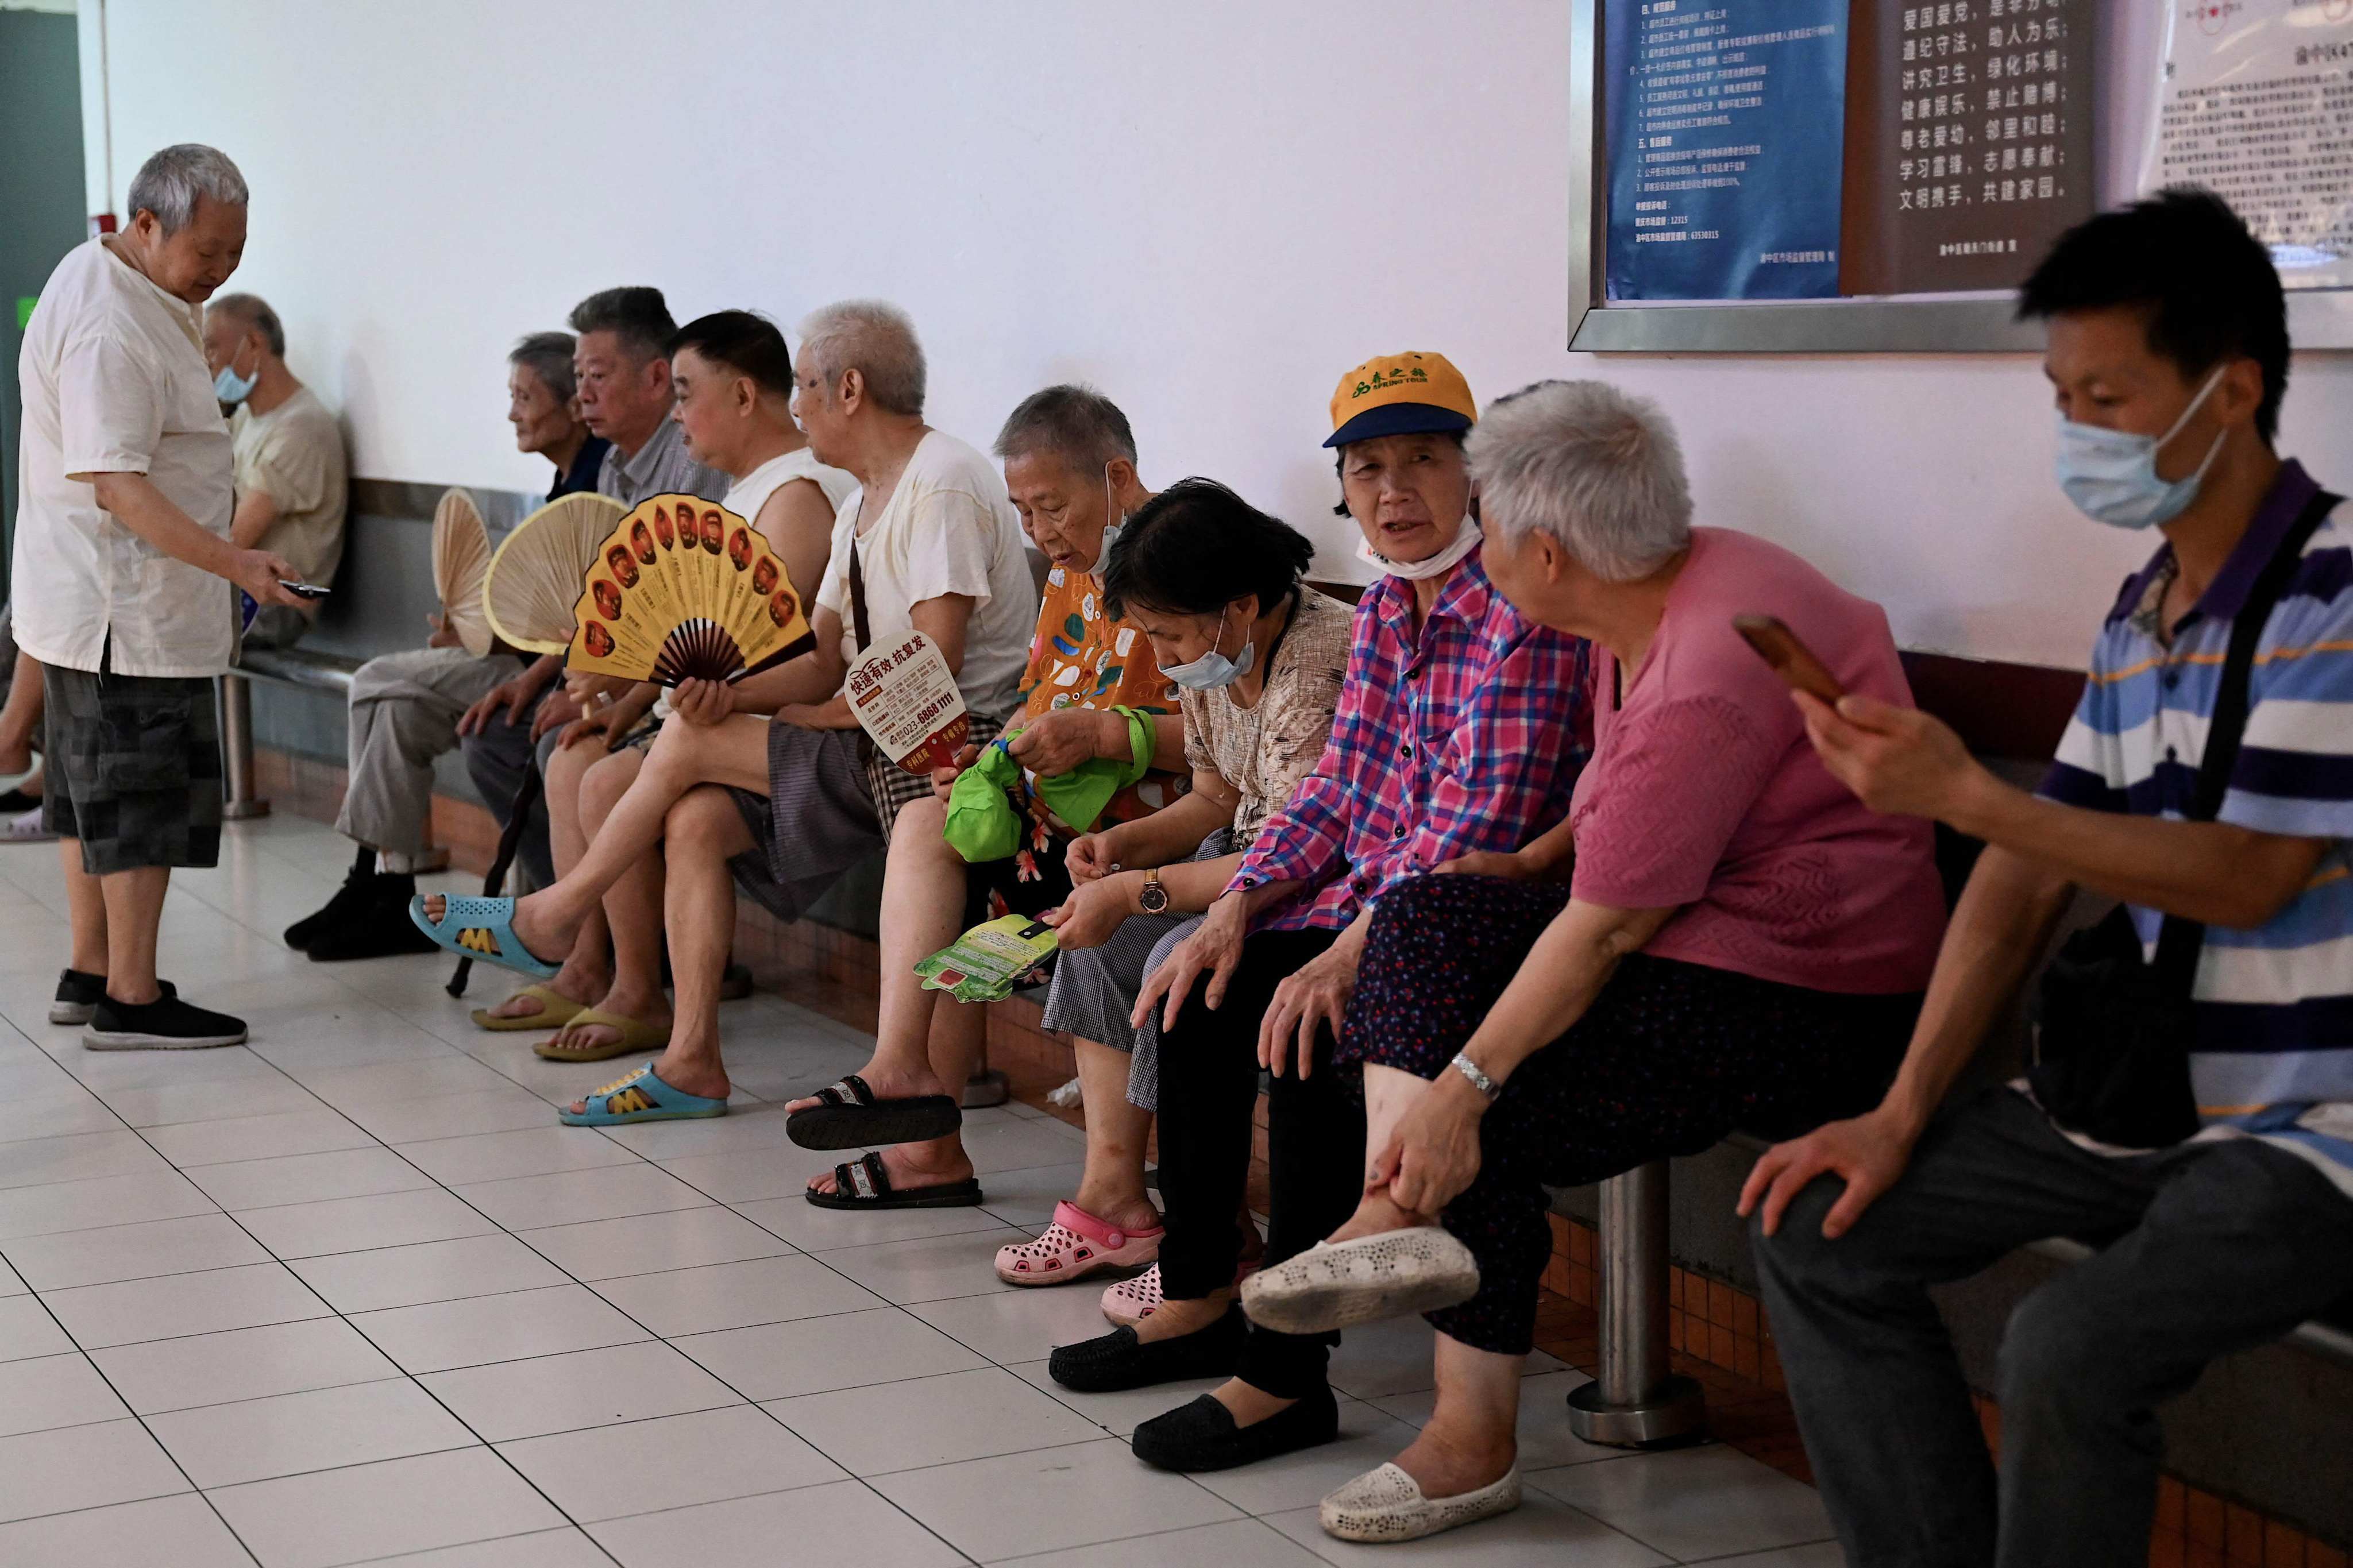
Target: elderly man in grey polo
123,563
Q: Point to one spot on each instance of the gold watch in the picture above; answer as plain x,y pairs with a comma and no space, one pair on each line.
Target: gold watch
1153,898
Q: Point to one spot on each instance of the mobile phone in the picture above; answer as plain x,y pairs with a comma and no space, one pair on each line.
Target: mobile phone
1792,661
304,590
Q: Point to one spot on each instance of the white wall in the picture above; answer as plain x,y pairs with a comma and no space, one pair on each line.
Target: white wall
1209,209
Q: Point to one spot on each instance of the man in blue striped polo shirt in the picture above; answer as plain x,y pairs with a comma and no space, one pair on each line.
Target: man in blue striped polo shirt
2167,349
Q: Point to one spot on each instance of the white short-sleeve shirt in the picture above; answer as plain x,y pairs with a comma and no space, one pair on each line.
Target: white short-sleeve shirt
115,382
948,528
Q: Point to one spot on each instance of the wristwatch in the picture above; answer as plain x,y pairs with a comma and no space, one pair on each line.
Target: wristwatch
1153,898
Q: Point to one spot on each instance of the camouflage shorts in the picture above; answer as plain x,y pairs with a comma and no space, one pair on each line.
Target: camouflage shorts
134,769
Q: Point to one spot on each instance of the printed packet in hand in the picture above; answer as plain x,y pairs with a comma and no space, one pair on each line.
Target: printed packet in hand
987,962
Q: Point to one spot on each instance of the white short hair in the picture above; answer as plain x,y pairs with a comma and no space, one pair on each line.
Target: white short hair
873,338
169,182
1596,469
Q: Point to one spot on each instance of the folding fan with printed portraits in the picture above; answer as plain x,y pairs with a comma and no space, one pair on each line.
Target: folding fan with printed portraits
682,589
461,565
534,578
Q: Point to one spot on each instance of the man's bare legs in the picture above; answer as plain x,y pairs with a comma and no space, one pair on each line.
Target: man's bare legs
20,719
703,831
734,753
134,911
920,1045
86,907
1111,1187
632,910
587,972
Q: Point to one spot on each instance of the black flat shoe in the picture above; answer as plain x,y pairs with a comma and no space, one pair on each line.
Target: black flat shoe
1120,1360
1202,1435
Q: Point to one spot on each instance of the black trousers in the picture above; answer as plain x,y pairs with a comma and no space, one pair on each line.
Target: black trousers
1315,1150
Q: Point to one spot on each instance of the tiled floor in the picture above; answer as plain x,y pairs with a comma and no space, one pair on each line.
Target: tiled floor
349,1294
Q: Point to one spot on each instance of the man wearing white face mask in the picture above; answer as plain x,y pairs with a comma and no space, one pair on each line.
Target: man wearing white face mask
2194,1095
1458,734
292,474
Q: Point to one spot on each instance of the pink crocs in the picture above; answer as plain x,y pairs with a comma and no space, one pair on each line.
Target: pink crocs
1076,1244
1131,1301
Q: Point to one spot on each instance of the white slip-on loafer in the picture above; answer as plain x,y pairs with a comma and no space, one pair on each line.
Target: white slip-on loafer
1335,1284
1387,1505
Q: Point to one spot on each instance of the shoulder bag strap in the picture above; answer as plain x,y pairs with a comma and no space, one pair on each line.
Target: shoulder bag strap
2179,939
858,596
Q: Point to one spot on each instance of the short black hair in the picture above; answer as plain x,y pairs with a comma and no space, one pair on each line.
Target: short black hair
2183,257
745,341
637,316
1195,548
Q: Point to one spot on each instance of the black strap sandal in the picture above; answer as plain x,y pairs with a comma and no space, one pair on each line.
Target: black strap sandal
863,1183
848,1116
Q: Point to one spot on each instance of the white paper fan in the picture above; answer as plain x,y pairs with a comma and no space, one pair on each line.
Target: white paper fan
461,561
534,579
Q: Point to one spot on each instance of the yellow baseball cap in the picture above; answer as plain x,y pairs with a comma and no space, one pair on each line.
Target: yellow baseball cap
1401,394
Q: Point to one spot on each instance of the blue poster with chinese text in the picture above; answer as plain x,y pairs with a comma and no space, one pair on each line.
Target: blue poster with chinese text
1726,130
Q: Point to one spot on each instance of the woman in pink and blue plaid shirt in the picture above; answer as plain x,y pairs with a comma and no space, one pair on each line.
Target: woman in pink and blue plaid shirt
1460,733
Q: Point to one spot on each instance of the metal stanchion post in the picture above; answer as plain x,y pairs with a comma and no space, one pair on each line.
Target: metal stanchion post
237,748
1634,1400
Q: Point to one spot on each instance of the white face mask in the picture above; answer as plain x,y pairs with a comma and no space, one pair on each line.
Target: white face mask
1110,529
2111,474
1466,540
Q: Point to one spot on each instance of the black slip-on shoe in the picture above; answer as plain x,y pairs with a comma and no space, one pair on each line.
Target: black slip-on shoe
379,928
1202,1435
15,801
166,1024
1118,1360
359,890
78,995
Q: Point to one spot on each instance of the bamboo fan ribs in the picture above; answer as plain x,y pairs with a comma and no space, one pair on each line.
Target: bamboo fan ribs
682,589
534,579
461,568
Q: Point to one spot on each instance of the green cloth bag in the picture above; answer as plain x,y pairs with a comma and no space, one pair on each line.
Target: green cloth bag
983,824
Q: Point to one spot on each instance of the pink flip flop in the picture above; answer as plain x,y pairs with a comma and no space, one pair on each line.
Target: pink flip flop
1076,1244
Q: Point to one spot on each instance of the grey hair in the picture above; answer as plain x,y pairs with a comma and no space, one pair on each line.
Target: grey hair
1076,422
873,338
548,355
1596,468
256,313
169,182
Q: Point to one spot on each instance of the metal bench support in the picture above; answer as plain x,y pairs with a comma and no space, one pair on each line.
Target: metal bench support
1635,1400
237,750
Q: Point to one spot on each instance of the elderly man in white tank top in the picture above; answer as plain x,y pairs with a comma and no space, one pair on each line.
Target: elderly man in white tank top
733,379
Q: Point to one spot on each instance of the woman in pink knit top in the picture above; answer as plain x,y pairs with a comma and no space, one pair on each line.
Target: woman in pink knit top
1720,937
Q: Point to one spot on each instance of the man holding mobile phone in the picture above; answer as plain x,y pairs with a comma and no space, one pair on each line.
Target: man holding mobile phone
124,566
2232,1207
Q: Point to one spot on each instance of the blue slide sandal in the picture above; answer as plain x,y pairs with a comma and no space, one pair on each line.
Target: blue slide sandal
641,1096
481,928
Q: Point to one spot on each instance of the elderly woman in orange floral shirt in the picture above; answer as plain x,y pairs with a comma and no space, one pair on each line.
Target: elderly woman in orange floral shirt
1070,466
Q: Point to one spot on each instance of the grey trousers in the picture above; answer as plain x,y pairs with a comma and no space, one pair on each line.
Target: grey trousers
2210,1248
405,709
496,760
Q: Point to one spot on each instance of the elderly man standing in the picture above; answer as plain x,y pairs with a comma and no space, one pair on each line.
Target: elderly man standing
405,706
292,478
622,363
122,544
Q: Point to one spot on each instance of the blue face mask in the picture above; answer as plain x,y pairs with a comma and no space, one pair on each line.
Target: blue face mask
232,388
2111,474
1213,669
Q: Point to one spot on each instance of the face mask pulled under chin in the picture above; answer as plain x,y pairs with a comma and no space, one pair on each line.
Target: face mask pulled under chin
2111,474
1466,540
